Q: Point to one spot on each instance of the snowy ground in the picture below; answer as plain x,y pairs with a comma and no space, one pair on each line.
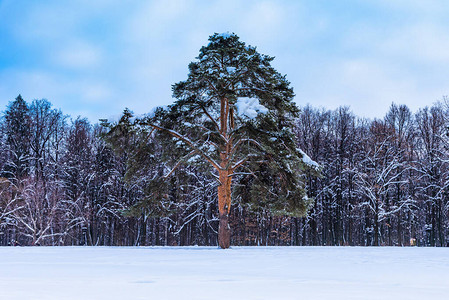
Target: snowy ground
85,273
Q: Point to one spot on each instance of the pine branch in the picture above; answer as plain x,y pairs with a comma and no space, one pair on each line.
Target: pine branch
188,142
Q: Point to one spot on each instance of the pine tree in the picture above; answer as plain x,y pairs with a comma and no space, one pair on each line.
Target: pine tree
235,114
17,129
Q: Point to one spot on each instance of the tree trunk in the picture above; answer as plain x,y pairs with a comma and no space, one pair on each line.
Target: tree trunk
224,232
224,206
376,225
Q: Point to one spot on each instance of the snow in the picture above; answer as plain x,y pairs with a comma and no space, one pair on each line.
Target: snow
114,118
138,117
249,107
308,161
108,273
152,111
225,35
230,70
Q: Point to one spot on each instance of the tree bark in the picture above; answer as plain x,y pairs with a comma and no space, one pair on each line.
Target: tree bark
224,232
376,224
224,206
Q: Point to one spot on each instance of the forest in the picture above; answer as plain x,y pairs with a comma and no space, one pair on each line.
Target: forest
382,182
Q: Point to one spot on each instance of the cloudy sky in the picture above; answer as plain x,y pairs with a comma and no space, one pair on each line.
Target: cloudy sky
94,58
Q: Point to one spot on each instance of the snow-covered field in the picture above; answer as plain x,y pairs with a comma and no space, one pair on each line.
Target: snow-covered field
86,273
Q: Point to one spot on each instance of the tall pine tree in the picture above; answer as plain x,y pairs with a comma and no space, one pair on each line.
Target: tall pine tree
234,116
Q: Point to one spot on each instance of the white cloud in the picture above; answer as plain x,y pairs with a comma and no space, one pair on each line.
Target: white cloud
74,96
369,86
263,20
78,55
424,43
113,54
153,20
422,7
96,92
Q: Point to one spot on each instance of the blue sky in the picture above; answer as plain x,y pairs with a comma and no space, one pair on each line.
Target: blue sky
94,58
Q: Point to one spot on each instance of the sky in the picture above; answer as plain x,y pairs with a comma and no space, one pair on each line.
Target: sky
95,58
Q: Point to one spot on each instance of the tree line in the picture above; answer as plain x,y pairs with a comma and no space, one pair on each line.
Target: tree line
382,182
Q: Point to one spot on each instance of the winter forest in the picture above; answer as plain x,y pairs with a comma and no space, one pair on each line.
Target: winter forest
65,181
